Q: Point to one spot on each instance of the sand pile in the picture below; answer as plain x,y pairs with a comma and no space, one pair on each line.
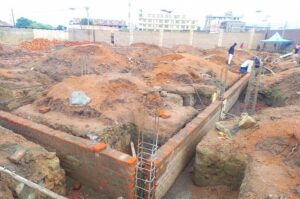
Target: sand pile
108,92
141,56
219,56
189,49
185,70
81,60
39,44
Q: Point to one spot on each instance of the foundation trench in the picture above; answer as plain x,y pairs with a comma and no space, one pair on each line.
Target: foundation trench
112,172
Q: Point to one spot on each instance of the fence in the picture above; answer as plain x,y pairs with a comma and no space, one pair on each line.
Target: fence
164,39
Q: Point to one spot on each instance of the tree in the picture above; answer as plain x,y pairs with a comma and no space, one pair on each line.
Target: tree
23,22
61,27
27,23
84,21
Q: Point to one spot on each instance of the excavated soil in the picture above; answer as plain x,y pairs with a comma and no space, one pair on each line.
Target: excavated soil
82,60
219,56
281,88
36,164
189,49
116,79
19,83
272,150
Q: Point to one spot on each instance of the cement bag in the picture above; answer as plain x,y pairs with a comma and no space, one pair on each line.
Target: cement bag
79,98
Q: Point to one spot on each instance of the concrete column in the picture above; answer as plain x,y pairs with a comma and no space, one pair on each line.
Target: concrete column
161,37
130,36
220,41
251,38
191,37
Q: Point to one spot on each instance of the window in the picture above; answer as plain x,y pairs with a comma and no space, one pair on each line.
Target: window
177,21
160,21
166,21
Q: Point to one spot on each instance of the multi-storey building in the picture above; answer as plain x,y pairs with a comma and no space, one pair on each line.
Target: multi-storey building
165,21
233,26
102,24
213,23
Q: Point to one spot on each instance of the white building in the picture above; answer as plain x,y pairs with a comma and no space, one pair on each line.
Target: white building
213,22
165,21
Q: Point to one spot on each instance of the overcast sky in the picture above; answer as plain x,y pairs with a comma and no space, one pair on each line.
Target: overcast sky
56,12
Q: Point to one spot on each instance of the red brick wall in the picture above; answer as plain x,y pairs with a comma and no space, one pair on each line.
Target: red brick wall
174,155
107,170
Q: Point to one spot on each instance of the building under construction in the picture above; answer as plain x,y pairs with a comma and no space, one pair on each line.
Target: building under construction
94,120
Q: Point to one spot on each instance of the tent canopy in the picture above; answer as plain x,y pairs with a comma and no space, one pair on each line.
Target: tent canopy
277,39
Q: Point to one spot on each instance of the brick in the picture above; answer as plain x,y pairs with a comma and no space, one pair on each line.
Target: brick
104,169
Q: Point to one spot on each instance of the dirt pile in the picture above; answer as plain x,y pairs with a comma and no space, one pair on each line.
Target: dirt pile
219,56
189,49
282,88
39,44
141,56
272,154
116,99
30,161
184,82
19,82
107,92
81,60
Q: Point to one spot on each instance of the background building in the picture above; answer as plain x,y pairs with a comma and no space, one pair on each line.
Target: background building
213,23
165,20
4,24
99,24
233,26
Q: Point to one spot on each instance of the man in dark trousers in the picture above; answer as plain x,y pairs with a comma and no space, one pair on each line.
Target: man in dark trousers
231,53
112,38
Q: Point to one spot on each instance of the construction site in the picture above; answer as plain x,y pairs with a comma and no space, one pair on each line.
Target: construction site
91,120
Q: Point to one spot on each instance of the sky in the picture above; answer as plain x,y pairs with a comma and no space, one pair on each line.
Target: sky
56,12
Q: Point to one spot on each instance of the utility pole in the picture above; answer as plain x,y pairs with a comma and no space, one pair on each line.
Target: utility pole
284,28
87,15
13,17
129,23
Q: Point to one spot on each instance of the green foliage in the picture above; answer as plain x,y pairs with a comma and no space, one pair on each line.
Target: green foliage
84,21
27,23
272,97
61,27
23,22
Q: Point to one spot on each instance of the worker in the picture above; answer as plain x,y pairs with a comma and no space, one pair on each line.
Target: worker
246,67
257,61
231,53
297,48
258,47
112,38
242,45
